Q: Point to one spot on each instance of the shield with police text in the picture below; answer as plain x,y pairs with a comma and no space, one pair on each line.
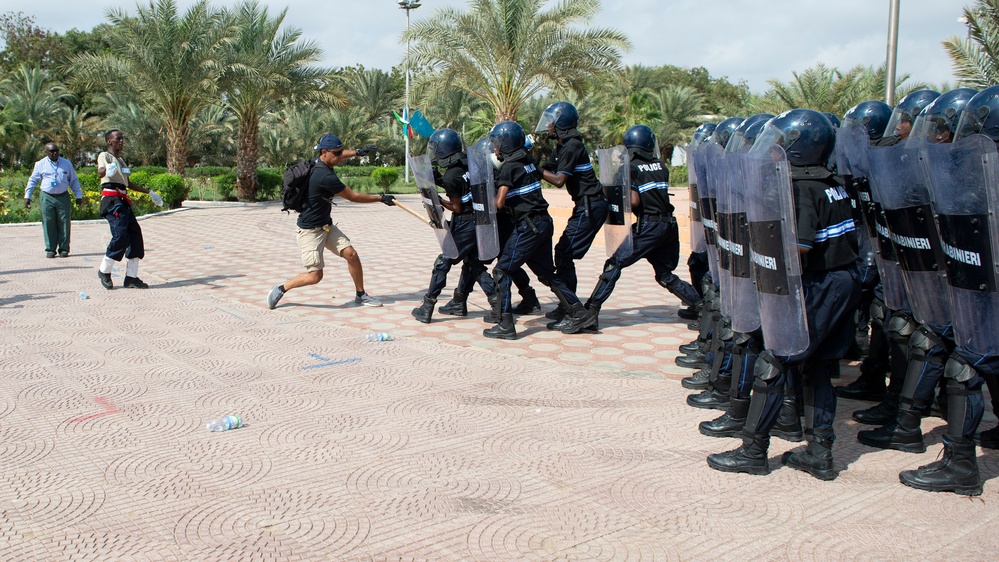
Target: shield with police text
892,282
480,172
963,180
773,250
901,182
615,177
744,303
694,153
707,190
424,174
851,144
718,169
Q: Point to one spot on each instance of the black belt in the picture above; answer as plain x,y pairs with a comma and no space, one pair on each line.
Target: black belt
657,217
463,216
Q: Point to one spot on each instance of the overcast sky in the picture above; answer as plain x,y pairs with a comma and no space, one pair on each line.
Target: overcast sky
750,40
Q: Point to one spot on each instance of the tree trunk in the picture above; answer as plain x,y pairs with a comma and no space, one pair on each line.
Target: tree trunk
177,148
667,154
246,159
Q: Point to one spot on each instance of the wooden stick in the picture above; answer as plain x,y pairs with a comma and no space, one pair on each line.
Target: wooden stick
421,216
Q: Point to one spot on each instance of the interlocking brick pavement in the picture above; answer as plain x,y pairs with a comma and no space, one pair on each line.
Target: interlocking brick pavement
439,445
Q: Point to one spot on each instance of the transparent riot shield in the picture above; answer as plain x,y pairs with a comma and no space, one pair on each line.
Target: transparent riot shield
744,300
480,172
724,186
964,177
424,174
892,282
696,227
852,142
615,177
899,178
707,190
773,241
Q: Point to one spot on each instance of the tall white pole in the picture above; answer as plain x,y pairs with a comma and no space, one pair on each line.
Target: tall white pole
892,55
406,111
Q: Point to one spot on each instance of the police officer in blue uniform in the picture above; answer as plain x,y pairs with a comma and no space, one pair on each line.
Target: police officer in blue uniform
570,167
655,237
446,148
518,189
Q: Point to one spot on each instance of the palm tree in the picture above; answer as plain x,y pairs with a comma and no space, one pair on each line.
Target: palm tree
266,67
681,108
37,103
507,51
375,91
169,63
976,58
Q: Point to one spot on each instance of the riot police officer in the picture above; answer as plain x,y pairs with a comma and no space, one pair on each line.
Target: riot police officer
446,148
570,167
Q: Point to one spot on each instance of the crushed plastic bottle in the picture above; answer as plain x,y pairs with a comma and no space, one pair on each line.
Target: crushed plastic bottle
225,423
379,336
84,296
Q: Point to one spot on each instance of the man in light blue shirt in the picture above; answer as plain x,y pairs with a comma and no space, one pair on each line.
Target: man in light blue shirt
56,176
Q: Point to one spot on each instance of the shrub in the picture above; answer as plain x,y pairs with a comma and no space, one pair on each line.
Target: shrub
270,183
171,188
678,175
89,182
226,186
207,171
140,177
385,177
153,170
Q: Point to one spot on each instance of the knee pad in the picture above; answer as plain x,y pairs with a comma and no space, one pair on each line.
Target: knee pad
957,369
611,271
767,367
442,263
877,312
499,275
725,332
901,326
740,339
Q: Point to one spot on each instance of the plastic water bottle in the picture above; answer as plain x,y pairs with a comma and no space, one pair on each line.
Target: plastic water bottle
225,423
84,296
379,336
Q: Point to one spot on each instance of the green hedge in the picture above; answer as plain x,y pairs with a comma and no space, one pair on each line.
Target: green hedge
678,175
171,188
270,184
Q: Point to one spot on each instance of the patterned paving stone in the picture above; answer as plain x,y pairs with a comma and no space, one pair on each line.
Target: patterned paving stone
438,445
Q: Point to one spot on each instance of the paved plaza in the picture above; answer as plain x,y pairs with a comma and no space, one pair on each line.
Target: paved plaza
438,445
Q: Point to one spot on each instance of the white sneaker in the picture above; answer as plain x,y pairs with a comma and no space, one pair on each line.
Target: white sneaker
367,300
274,296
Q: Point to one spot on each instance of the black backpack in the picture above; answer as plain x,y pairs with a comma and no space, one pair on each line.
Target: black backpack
296,186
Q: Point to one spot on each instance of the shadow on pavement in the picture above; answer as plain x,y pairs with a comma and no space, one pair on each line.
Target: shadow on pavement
207,280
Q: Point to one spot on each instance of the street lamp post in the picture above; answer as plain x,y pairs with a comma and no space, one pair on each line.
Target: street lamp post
407,5
892,56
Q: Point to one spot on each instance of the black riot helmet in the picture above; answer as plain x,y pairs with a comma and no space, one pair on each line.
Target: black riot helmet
806,136
701,134
981,115
872,115
445,147
724,130
905,113
743,137
832,119
508,137
641,141
559,120
937,123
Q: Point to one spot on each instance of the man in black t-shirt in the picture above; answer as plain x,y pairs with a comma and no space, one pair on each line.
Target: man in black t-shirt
316,231
570,167
655,236
518,189
445,147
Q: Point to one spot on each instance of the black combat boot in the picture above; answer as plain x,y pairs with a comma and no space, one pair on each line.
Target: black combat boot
697,381
577,318
883,413
816,459
557,314
713,398
902,434
493,316
750,458
696,345
693,360
505,330
457,306
425,311
731,423
866,388
530,303
957,472
595,311
788,426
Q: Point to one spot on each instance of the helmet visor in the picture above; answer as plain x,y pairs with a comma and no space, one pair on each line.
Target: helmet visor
900,123
547,122
972,122
932,129
770,137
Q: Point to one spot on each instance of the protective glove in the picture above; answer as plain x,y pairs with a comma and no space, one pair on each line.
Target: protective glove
364,151
27,203
157,200
388,199
79,202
